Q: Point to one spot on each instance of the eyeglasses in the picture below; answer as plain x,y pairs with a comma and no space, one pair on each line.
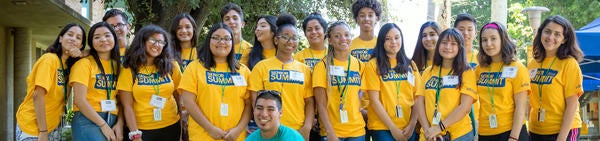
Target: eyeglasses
118,25
272,92
218,39
155,41
286,38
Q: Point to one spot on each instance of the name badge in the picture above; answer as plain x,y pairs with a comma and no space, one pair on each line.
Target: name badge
541,114
298,76
344,116
450,80
108,105
157,114
532,73
399,111
336,71
224,109
411,78
493,121
158,101
238,80
437,116
509,72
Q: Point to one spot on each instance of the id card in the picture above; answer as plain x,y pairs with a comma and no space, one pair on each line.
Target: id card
298,76
344,116
493,121
437,116
158,101
509,72
399,111
224,109
450,80
337,71
411,78
541,114
108,105
532,73
238,80
157,114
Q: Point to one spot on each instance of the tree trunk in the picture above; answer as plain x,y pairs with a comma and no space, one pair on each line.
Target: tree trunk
445,17
499,11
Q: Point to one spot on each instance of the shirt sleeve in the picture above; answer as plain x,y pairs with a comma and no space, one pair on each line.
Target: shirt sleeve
46,72
307,85
246,73
468,84
419,85
81,72
125,82
573,78
371,77
521,81
256,76
189,79
319,75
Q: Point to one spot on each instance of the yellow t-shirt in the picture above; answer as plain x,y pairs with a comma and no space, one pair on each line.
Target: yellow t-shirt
242,49
558,80
143,89
87,73
362,49
48,74
212,88
489,80
352,79
395,89
310,56
449,97
188,55
472,58
122,54
272,74
267,53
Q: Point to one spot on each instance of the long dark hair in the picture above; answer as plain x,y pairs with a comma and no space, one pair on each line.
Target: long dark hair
173,30
135,56
205,56
459,65
256,53
57,48
383,62
420,54
507,47
114,52
568,49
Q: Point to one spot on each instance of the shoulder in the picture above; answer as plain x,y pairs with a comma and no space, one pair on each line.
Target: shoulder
49,57
84,61
246,44
243,68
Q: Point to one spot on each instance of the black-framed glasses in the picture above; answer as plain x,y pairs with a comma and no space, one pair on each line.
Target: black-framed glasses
287,38
221,39
155,41
118,25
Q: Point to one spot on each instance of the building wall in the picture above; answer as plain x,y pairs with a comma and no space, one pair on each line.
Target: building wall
75,4
97,10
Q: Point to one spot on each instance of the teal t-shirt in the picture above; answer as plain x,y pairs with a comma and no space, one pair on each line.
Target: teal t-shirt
283,132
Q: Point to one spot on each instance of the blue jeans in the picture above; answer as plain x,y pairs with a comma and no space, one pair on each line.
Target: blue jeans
359,138
386,135
467,137
86,130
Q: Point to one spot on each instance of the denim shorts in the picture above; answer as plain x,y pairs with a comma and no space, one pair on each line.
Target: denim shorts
86,130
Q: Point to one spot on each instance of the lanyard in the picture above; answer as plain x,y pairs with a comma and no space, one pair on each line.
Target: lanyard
222,85
154,80
343,92
109,83
491,90
63,76
545,73
398,89
437,91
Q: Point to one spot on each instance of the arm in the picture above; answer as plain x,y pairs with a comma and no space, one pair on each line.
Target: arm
410,128
375,103
235,132
118,128
466,102
309,114
39,103
321,99
199,117
420,109
80,92
568,117
127,103
519,115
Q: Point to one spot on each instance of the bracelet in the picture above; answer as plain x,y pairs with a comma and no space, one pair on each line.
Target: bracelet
135,135
43,131
510,137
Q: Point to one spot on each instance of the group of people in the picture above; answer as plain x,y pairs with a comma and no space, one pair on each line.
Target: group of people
166,86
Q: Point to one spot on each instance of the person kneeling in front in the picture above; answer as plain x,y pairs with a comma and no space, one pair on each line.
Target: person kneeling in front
267,111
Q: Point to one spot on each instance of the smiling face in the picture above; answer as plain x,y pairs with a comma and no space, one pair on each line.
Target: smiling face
366,19
448,48
552,37
267,114
71,39
234,21
220,43
491,43
263,31
467,29
340,38
314,32
103,40
429,39
287,41
185,30
393,42
120,25
155,45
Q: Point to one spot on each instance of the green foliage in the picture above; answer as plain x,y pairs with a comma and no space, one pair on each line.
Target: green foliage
579,12
519,30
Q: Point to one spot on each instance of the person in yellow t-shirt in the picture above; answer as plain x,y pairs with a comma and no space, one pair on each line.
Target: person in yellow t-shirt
184,36
503,86
120,23
217,81
233,16
425,48
288,76
391,91
467,25
94,87
264,47
147,87
39,115
556,82
336,83
449,91
314,29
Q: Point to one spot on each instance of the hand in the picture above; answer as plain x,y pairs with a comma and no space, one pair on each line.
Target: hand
332,137
216,133
408,131
43,136
233,134
74,52
398,134
138,139
108,132
118,130
432,132
305,132
560,138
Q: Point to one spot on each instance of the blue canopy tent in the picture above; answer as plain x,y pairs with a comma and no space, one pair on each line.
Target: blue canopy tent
589,42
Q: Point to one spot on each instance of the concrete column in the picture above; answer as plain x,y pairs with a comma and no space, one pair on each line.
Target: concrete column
24,54
431,10
500,11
